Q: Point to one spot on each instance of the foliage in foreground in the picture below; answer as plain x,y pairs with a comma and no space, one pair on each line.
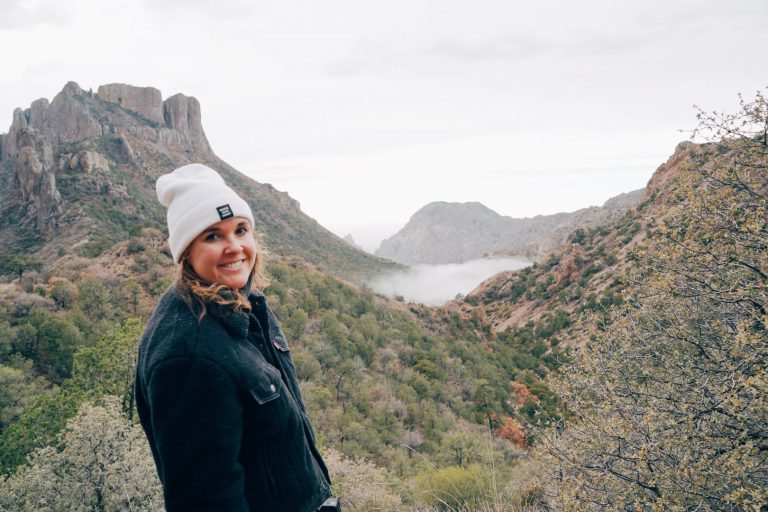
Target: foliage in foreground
672,396
103,463
107,368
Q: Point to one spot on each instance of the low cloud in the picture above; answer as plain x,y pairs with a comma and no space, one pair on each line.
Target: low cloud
434,285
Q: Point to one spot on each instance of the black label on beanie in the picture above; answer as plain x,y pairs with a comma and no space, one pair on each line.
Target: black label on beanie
225,212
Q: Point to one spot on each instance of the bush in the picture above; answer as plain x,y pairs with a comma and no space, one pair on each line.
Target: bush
361,485
455,488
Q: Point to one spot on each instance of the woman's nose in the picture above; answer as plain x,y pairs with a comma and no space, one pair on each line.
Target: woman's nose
233,246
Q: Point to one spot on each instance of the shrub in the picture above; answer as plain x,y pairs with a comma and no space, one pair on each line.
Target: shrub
455,488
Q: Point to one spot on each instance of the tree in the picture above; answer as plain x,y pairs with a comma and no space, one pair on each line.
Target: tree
512,431
18,388
104,369
672,396
17,264
103,464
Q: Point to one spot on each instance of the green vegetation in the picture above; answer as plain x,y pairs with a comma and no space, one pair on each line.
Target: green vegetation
380,385
670,395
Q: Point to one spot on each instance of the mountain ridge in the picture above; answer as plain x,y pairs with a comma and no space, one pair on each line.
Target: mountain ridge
443,232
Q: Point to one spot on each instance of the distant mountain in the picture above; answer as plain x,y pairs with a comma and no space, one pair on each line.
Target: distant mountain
444,232
351,241
588,270
77,175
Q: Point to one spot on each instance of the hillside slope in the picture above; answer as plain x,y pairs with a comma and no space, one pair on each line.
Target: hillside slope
587,272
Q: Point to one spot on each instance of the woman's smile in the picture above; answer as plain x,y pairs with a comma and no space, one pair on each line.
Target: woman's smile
224,253
233,265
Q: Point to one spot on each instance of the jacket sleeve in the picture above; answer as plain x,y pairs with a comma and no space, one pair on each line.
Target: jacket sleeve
196,415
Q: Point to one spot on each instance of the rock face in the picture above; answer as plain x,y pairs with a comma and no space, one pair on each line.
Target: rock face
443,232
75,115
145,101
182,114
65,119
36,180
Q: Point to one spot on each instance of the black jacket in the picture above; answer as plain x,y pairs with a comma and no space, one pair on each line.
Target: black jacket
220,405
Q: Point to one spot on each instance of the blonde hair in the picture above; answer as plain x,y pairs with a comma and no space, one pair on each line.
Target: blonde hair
197,293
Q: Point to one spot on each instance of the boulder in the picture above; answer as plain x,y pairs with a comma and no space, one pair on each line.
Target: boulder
145,101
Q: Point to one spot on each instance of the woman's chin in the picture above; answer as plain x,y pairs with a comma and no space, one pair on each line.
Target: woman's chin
233,282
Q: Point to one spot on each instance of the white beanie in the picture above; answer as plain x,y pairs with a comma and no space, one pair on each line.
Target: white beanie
196,197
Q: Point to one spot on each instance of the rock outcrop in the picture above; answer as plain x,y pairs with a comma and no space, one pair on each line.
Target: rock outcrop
65,119
36,180
182,114
75,116
145,101
666,172
84,161
68,119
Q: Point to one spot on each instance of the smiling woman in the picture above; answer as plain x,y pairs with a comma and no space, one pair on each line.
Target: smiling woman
225,253
216,387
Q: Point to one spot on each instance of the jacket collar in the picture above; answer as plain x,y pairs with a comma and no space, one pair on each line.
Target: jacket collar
236,323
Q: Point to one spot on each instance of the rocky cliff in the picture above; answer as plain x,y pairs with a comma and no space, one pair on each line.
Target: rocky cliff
77,174
456,232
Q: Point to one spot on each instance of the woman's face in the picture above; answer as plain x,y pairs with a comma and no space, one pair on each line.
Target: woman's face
224,253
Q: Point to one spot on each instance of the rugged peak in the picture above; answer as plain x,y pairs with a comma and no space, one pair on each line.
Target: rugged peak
75,115
72,88
145,101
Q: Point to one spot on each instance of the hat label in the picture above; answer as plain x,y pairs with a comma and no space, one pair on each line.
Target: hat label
225,212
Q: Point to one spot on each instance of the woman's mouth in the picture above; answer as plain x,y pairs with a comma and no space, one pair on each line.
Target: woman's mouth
232,265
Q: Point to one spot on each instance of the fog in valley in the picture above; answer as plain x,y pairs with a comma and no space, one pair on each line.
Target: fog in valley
434,285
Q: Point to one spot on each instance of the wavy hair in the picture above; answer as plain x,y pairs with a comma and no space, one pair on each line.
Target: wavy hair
197,293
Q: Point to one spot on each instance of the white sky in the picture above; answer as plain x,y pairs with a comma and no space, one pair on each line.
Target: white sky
365,110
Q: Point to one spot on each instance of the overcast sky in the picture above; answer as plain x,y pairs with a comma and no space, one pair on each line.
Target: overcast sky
365,110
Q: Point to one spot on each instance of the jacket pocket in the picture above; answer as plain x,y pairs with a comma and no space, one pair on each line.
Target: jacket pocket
268,408
264,392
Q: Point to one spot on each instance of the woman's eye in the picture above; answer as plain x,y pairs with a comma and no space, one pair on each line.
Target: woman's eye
241,230
212,236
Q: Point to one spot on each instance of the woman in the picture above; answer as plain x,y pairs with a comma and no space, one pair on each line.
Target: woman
216,388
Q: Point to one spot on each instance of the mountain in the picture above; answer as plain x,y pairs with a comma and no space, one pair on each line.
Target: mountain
443,232
77,175
587,271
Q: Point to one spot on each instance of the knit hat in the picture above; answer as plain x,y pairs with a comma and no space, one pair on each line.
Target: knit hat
196,197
